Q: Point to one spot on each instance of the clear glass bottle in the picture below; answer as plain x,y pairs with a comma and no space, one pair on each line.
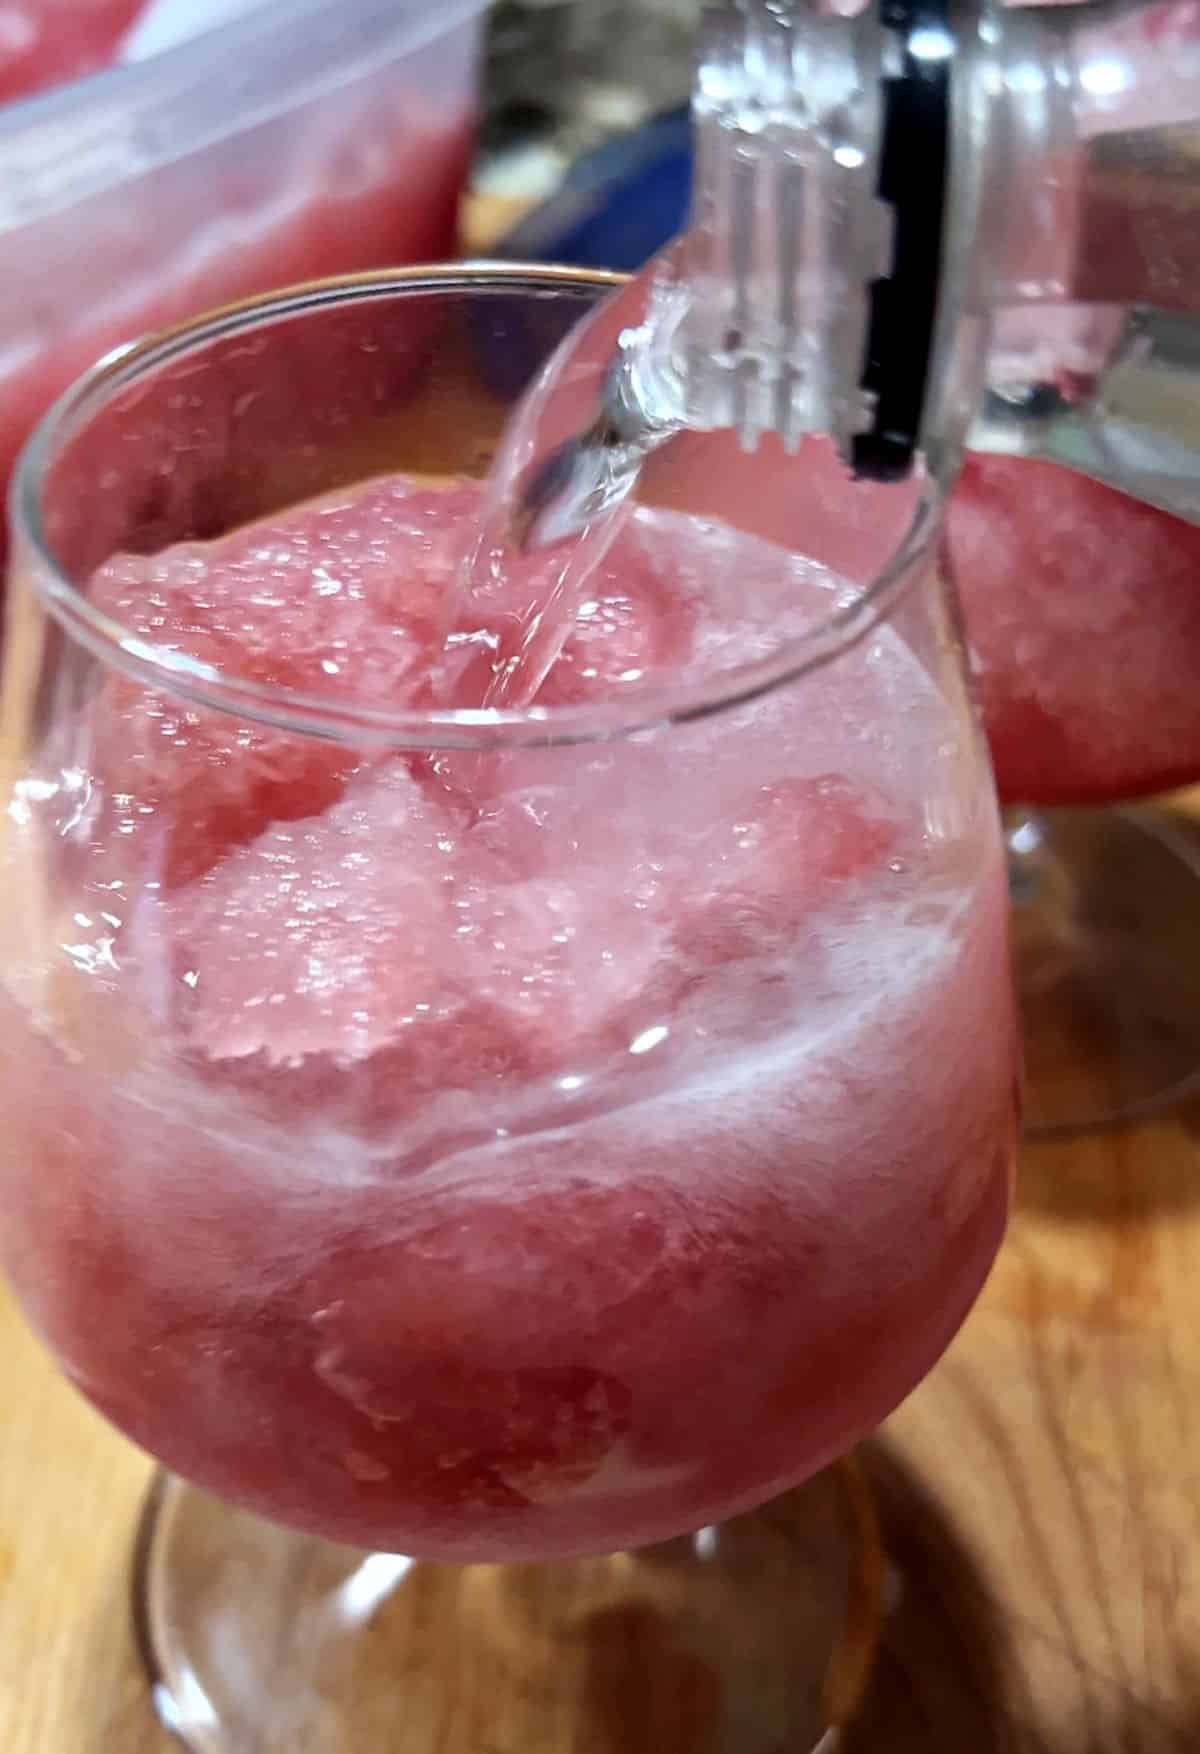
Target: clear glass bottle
914,219
1085,121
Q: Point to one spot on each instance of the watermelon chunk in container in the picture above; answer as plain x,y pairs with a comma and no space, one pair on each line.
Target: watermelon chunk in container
289,140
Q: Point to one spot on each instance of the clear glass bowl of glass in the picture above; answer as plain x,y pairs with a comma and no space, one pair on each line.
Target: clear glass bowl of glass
487,1153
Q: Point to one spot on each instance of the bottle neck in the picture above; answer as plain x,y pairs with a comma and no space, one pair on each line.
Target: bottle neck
1061,134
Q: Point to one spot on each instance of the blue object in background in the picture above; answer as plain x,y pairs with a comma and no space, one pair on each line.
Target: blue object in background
617,206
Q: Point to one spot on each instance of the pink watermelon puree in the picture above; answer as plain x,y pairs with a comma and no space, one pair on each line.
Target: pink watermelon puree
1083,618
385,193
48,42
508,1154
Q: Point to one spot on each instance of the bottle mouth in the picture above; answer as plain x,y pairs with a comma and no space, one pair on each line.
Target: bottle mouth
37,563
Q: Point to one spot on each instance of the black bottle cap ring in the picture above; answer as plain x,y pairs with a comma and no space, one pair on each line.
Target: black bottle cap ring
913,173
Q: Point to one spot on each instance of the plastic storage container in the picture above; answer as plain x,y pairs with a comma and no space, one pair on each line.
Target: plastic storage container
307,137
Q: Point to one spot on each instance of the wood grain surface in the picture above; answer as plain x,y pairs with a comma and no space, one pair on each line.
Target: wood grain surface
1040,1496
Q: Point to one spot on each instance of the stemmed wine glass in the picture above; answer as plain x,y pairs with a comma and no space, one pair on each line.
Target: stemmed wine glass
1082,609
486,1152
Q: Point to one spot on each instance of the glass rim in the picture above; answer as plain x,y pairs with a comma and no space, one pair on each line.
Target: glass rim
200,684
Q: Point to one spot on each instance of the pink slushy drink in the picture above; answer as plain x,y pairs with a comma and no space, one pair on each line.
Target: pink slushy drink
492,1154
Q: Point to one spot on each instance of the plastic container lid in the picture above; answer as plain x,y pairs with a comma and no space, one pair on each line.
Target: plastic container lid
67,144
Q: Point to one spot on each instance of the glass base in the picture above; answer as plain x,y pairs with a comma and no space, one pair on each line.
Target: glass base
1106,945
751,1636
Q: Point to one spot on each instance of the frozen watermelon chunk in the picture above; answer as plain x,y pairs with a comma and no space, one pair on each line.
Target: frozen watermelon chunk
456,913
338,600
1083,618
383,926
326,935
48,42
